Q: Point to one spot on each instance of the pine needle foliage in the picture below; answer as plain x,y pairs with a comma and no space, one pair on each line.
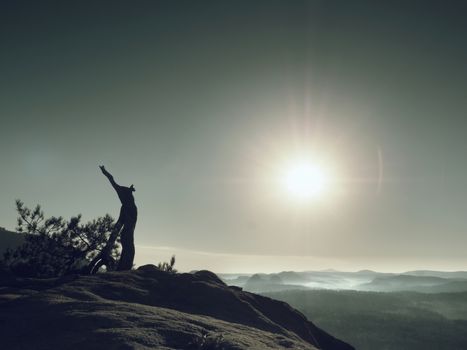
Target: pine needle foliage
55,246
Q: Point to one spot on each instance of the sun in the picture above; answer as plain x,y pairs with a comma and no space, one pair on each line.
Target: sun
305,179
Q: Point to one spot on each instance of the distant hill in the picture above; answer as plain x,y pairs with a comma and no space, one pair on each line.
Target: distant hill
420,281
328,279
150,309
292,277
443,274
424,284
238,281
9,239
268,283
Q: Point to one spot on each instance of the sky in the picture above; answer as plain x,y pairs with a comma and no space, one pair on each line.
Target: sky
202,104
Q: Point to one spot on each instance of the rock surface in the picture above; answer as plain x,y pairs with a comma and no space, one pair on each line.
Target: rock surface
149,309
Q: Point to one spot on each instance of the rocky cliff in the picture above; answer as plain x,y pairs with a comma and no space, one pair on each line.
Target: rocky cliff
149,309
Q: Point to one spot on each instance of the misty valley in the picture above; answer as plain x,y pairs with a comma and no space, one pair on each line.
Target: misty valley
370,310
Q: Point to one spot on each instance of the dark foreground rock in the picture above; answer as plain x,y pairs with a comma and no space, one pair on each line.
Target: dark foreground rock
149,309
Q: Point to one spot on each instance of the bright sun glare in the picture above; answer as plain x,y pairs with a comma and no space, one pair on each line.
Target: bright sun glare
304,179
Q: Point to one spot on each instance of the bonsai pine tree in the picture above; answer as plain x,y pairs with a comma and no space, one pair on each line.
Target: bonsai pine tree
56,246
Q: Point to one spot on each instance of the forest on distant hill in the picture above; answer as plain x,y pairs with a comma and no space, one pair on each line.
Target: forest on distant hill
390,321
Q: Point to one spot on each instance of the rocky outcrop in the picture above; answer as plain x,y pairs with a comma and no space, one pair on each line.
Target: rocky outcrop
150,309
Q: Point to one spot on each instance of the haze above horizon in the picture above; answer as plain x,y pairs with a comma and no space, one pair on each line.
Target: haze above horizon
200,105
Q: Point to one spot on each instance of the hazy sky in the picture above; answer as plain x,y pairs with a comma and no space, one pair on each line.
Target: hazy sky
199,104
